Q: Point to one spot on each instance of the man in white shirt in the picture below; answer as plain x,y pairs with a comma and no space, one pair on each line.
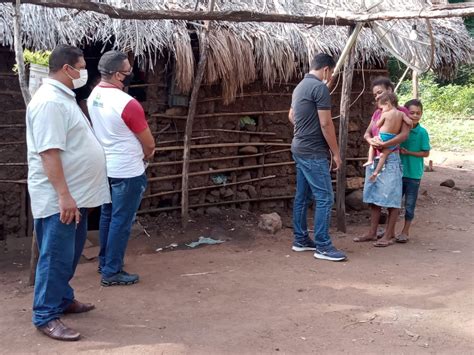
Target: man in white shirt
120,126
66,176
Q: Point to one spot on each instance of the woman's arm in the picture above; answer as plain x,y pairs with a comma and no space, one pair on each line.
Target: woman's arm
368,132
399,138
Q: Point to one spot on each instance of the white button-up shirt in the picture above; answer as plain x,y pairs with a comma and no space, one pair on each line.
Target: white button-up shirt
55,121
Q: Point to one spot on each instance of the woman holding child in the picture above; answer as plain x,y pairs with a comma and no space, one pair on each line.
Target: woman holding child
383,186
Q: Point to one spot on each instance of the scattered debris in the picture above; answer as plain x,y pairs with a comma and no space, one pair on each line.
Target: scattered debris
413,336
429,167
143,229
448,183
270,222
247,120
200,273
219,179
205,240
171,246
361,321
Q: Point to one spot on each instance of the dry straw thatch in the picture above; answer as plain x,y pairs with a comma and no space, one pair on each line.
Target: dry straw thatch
241,52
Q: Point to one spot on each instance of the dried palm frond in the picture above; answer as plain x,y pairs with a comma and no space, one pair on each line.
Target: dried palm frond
241,52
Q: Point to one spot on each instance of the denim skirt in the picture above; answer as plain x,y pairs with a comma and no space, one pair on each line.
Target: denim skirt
386,190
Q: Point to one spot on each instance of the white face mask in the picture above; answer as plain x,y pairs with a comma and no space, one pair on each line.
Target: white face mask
82,80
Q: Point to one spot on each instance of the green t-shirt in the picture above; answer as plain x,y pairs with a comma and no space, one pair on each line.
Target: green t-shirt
418,141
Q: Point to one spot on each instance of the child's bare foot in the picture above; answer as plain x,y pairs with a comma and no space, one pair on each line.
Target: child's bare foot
373,177
368,163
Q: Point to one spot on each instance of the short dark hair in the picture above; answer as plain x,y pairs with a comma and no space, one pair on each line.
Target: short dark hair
383,81
64,54
111,62
414,102
388,97
322,60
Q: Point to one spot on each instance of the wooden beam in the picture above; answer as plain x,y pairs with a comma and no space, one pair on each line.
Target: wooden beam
221,203
326,18
343,133
210,187
222,114
218,171
221,145
208,160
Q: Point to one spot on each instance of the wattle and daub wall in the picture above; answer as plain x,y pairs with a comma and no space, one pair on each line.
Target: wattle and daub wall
245,161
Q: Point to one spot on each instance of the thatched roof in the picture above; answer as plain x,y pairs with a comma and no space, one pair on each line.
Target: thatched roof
241,52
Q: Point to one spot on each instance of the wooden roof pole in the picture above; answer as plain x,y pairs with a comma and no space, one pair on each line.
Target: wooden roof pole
348,57
203,51
335,18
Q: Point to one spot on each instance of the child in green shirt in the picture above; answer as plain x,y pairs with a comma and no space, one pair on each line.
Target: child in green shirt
412,152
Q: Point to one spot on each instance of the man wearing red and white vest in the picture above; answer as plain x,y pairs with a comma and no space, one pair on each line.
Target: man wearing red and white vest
120,126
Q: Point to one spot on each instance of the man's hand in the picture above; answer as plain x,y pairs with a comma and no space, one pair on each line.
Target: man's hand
337,162
150,156
404,151
68,211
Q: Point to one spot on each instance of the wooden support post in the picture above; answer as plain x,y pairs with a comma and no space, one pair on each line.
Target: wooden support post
343,133
203,50
26,98
415,86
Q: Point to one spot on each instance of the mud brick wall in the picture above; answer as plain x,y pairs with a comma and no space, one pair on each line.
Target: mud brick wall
13,196
268,108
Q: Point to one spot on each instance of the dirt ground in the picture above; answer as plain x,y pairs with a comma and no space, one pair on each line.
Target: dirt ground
253,295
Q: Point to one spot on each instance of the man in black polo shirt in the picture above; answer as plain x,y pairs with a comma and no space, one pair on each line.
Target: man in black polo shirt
314,138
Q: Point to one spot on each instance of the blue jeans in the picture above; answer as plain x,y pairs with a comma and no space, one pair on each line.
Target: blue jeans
313,181
116,221
410,191
60,247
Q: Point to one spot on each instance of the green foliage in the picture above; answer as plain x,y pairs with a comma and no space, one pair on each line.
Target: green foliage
448,112
37,57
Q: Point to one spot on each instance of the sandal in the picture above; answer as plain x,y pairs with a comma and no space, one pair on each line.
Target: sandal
383,243
402,238
364,238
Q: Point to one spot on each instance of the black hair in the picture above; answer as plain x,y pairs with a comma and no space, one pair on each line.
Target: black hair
111,62
388,97
64,54
383,81
322,60
414,102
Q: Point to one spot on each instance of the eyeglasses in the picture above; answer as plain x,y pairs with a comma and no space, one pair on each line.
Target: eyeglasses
126,73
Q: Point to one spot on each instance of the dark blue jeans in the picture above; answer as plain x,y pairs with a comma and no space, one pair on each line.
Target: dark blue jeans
313,181
410,191
60,247
116,221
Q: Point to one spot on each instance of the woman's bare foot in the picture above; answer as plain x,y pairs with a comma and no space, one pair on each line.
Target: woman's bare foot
384,242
